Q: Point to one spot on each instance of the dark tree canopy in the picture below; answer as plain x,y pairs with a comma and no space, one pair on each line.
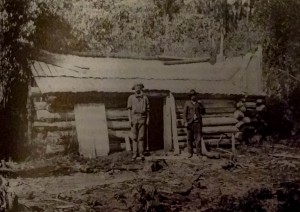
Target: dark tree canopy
15,30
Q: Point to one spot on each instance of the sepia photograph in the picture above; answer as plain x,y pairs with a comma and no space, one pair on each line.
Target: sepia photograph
150,105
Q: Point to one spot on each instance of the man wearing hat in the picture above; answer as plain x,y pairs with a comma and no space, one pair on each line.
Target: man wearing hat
138,114
192,116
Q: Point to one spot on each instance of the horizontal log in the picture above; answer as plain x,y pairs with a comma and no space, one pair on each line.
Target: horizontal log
210,142
217,115
187,61
182,138
168,58
44,115
219,129
60,134
251,104
212,121
35,92
40,105
211,130
209,103
217,135
217,142
118,125
212,110
181,131
179,115
42,126
117,114
118,133
61,107
211,106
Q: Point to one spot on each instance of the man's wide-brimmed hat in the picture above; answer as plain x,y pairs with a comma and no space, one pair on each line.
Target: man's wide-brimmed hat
137,85
193,93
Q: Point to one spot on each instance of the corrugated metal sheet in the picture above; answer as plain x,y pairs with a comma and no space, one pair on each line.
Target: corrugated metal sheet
84,74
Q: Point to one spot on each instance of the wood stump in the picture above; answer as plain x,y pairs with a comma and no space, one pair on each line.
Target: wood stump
8,199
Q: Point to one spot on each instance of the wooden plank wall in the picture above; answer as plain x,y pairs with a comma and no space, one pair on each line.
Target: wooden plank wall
92,129
168,144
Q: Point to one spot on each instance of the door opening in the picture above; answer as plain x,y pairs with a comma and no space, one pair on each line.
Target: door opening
155,129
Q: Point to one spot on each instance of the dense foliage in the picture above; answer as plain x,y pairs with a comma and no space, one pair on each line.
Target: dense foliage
16,27
190,28
281,23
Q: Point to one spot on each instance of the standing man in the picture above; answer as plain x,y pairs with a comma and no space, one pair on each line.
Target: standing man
138,114
192,116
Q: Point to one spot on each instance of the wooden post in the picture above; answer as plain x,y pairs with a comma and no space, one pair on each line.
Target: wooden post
233,144
167,125
174,124
127,143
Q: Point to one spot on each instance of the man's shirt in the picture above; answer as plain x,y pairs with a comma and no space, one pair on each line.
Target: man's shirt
138,104
192,112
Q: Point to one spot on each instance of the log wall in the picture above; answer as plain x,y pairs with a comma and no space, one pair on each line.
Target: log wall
118,127
223,118
217,121
51,131
53,124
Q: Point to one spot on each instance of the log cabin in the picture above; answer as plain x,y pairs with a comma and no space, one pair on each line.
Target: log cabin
82,100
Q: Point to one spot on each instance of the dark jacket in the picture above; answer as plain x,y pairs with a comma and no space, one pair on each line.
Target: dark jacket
190,110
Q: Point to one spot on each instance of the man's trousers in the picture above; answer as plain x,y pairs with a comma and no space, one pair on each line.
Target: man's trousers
194,134
138,136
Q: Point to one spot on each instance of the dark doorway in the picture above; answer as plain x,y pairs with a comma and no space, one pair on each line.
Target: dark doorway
155,131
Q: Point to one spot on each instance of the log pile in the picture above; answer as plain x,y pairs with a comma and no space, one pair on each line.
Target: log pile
250,114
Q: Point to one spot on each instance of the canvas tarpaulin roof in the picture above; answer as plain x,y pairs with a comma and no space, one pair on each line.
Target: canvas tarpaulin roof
83,74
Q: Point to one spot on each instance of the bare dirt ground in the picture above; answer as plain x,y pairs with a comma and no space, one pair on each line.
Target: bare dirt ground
262,179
